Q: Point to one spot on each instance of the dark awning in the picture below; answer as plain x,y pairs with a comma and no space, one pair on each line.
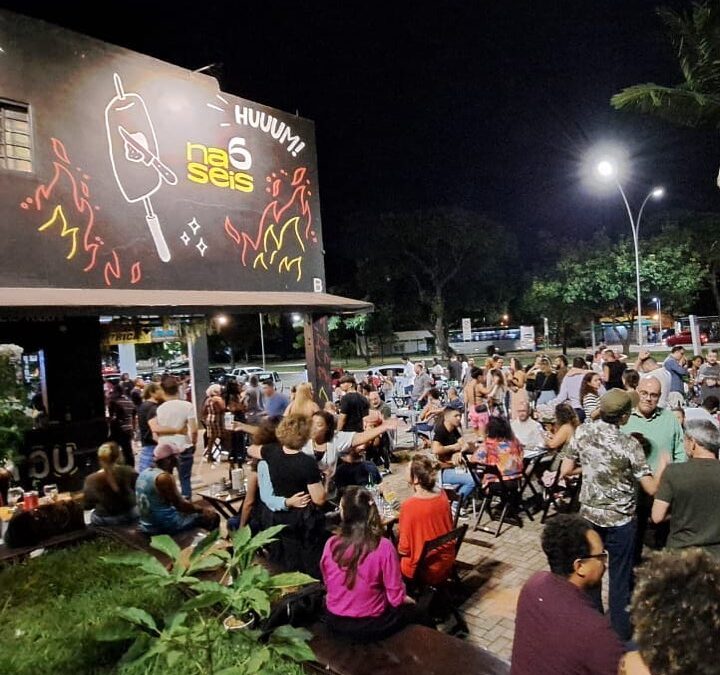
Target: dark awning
77,301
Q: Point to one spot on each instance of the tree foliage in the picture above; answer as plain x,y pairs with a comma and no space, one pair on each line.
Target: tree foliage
429,267
695,102
598,280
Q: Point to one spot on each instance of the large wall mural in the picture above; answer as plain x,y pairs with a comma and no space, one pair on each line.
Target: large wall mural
147,176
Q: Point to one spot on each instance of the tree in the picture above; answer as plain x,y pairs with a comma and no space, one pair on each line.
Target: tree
702,233
695,102
433,263
599,279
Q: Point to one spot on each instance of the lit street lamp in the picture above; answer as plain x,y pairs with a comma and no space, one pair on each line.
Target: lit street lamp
607,171
659,313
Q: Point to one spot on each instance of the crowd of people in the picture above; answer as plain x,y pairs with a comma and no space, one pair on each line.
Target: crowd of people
640,441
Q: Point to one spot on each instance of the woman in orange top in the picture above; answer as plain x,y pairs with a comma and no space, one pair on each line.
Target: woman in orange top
423,517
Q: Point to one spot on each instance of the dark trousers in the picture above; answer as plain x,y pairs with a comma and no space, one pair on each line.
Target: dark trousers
619,542
124,440
185,465
660,532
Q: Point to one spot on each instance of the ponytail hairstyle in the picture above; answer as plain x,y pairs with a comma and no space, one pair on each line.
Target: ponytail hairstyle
108,457
424,470
360,532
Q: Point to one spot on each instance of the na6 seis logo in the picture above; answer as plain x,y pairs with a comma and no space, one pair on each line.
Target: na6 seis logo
222,167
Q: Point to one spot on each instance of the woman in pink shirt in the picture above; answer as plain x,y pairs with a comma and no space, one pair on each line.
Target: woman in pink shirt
361,570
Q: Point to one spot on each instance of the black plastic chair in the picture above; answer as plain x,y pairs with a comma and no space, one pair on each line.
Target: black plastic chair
507,492
434,597
570,491
456,500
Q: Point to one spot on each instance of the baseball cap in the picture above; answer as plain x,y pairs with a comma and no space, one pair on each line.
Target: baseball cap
164,450
615,402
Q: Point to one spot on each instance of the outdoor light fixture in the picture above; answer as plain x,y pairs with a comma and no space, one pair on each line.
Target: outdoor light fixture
296,318
608,164
605,169
221,320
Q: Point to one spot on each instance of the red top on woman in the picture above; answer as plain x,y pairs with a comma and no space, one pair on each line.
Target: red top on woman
422,520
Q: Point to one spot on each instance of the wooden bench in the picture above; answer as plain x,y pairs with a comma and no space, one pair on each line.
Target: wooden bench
18,554
413,650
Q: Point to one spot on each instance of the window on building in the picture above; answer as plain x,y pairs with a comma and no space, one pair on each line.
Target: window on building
15,137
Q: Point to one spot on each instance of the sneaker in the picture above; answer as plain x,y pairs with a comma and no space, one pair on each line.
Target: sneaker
385,472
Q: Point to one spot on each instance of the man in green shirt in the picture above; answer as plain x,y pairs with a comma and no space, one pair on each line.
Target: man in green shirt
658,425
690,492
663,432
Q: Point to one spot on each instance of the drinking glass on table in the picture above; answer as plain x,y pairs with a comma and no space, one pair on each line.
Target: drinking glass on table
15,494
51,491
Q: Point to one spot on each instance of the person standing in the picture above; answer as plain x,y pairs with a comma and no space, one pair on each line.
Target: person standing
152,397
123,420
455,370
709,376
557,629
613,466
663,435
570,387
676,365
177,414
422,384
408,374
613,370
647,366
690,492
275,402
354,407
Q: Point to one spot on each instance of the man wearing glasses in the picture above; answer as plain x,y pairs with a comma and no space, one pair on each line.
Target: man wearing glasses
613,464
661,429
557,628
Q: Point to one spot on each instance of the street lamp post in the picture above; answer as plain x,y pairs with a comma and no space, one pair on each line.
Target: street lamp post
607,170
659,312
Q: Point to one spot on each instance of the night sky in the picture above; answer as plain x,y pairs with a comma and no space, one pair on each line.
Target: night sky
490,106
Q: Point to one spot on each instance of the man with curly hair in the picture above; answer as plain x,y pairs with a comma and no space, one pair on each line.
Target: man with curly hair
676,611
557,628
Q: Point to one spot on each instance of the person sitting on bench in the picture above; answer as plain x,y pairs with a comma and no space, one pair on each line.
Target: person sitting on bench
110,492
366,598
162,509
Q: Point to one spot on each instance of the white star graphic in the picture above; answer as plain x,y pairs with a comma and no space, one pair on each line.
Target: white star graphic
201,246
185,238
194,225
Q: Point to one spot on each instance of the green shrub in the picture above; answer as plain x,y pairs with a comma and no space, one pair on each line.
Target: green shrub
52,606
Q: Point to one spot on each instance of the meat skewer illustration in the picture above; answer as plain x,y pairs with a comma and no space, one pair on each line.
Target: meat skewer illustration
135,157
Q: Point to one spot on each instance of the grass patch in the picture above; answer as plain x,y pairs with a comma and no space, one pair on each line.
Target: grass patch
51,607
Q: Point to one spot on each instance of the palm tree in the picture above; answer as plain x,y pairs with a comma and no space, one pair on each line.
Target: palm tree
695,36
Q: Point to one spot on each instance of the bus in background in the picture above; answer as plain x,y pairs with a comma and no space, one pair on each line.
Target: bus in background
503,339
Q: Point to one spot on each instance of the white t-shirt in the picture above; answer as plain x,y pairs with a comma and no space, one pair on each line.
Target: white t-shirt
175,414
409,373
340,443
529,433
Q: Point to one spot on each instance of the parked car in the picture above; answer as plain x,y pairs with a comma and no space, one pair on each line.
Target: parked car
245,373
265,375
218,375
684,337
393,369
